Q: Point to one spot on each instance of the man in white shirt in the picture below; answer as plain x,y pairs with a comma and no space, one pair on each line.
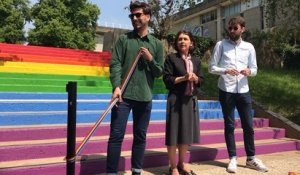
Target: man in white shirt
234,60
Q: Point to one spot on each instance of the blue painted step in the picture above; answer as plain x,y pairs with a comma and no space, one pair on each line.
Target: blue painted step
85,117
51,108
61,105
29,95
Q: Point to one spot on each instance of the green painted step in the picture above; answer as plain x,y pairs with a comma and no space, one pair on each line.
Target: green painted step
51,76
22,82
80,89
54,82
46,88
90,82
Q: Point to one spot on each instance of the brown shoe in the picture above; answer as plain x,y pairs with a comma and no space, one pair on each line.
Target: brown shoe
181,171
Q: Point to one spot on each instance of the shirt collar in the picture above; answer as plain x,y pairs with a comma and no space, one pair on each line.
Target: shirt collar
186,57
138,36
235,43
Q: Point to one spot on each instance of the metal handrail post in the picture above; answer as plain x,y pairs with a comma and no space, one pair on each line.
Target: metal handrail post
71,88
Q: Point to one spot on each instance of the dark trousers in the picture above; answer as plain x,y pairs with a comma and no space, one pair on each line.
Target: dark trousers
242,102
141,112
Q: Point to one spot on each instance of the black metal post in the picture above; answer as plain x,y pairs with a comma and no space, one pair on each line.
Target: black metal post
71,88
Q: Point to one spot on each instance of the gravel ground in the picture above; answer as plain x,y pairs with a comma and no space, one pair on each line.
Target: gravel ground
277,163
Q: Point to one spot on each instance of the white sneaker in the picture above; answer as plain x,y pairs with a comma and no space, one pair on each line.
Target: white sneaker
257,165
232,166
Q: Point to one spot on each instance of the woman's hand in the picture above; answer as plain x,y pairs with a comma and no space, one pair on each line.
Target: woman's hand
191,77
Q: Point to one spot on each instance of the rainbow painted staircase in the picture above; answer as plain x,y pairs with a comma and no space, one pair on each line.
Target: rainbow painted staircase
33,116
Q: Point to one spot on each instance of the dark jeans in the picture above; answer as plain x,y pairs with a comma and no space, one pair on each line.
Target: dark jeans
141,112
242,101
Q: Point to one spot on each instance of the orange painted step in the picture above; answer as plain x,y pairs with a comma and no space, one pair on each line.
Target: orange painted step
48,51
99,61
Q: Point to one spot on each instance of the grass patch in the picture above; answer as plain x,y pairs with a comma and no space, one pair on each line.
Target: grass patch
278,90
209,86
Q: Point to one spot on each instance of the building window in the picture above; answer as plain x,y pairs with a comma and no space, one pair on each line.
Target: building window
210,16
231,10
262,19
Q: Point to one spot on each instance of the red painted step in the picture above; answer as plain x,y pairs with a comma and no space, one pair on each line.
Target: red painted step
48,51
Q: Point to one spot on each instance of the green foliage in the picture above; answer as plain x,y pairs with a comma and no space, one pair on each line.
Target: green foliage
210,85
162,14
280,42
258,37
202,44
13,14
275,37
64,23
283,9
296,35
291,56
278,90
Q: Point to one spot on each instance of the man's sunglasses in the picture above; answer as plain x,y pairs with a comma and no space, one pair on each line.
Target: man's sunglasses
137,15
234,28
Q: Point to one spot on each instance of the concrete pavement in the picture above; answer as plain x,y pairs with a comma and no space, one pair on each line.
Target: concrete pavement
277,163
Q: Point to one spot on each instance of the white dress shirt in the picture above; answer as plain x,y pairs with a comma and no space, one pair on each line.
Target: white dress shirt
228,55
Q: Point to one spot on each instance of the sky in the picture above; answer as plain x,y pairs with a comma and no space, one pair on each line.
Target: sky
112,13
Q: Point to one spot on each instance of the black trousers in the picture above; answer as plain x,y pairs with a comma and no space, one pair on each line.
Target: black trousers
243,103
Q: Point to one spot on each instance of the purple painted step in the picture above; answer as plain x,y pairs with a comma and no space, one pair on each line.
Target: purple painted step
96,166
59,149
52,132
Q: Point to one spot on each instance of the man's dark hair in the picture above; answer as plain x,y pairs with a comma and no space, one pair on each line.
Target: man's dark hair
140,5
237,20
191,38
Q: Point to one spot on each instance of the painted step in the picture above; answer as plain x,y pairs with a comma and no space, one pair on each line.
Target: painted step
84,86
16,105
50,51
100,62
60,117
47,88
51,76
96,163
51,82
41,132
88,61
15,150
60,69
43,95
55,89
58,80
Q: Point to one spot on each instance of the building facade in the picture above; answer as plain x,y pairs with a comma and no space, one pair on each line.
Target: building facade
209,18
106,37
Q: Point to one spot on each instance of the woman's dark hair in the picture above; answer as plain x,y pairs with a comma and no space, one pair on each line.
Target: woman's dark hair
142,5
192,48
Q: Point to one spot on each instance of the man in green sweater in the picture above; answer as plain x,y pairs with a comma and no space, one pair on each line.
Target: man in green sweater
138,93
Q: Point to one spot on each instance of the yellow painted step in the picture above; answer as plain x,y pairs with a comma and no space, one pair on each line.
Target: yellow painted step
45,68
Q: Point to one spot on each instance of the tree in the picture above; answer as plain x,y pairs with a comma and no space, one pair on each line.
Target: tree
285,12
64,23
13,14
